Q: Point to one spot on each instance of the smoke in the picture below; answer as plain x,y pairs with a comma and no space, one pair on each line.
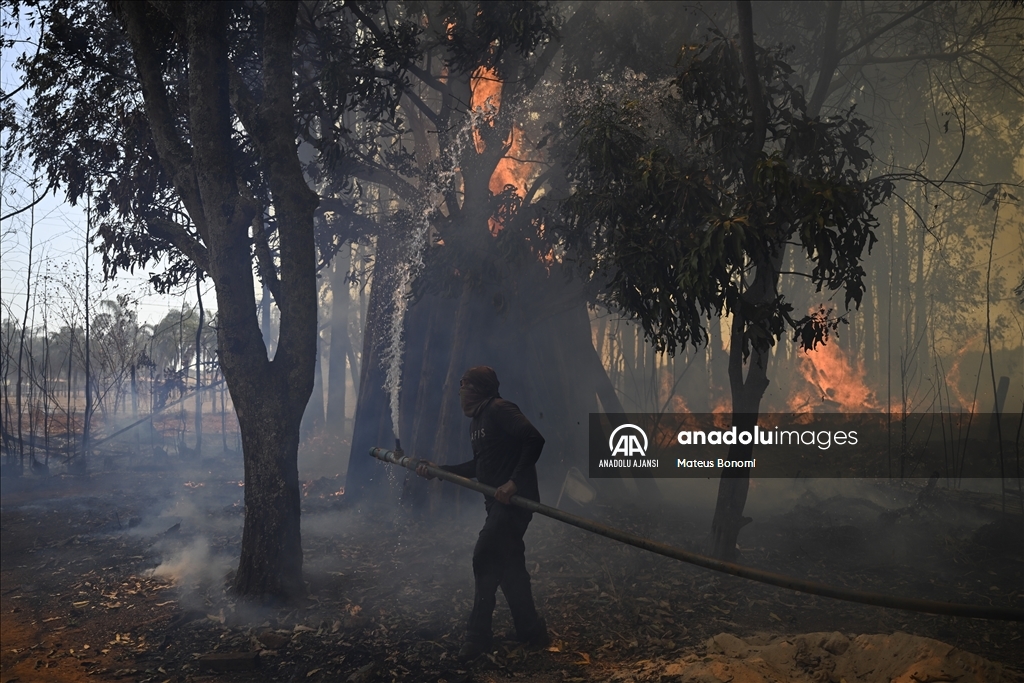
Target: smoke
194,564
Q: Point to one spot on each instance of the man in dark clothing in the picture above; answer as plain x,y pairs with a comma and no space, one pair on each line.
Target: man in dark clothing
505,450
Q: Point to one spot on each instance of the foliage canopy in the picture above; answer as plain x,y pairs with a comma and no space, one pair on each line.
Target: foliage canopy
672,209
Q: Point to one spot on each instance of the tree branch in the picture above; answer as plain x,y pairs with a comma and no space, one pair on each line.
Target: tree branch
264,259
188,245
23,209
939,56
748,56
374,173
870,38
427,78
169,145
294,202
829,58
422,106
244,105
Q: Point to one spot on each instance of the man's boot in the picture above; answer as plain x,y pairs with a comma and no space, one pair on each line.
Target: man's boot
470,650
536,636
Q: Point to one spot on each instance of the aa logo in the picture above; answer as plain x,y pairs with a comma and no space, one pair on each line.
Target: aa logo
628,440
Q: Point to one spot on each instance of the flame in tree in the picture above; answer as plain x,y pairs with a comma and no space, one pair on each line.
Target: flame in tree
512,171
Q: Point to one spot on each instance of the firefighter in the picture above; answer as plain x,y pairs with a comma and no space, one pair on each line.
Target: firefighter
505,451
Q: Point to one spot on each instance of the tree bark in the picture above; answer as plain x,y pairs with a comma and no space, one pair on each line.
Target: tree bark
269,396
746,392
746,404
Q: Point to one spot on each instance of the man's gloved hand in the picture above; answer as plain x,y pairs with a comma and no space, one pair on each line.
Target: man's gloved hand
505,492
421,469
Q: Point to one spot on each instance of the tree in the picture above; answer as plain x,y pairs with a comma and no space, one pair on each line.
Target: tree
187,118
461,115
685,201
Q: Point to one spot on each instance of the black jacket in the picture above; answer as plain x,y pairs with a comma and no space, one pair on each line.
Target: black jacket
505,447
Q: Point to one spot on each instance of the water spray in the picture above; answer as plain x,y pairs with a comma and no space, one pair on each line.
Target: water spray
411,262
398,457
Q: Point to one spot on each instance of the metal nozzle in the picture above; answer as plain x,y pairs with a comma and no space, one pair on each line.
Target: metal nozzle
396,456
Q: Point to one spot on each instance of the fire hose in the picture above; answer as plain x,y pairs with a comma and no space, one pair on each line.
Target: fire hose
398,457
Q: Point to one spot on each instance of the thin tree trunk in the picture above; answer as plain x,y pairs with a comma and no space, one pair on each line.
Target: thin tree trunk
313,418
70,411
372,421
341,343
746,402
223,418
448,420
996,408
199,370
920,341
48,390
869,339
83,463
265,320
21,345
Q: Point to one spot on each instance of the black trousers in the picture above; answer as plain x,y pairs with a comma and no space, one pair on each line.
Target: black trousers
499,560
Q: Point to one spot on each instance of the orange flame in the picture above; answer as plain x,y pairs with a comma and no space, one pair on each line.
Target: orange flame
722,410
835,384
723,406
485,98
511,170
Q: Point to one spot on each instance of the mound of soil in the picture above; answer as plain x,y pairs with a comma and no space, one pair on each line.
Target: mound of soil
824,658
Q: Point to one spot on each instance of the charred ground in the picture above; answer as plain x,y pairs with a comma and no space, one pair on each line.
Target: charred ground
121,576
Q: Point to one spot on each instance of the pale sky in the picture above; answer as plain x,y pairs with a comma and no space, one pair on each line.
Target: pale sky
59,241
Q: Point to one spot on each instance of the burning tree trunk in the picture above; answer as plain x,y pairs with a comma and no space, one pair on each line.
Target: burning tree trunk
477,304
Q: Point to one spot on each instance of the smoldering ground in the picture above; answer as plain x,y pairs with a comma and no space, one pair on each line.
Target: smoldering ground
144,561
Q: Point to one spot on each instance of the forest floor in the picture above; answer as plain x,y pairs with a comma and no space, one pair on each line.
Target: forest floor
121,575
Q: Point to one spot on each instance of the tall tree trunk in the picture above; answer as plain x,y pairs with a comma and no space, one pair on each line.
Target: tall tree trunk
372,420
223,419
746,392
21,344
81,464
869,335
199,371
450,418
269,396
313,418
920,339
265,322
337,377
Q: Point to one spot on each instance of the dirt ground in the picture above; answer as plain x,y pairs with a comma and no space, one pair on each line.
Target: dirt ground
120,575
